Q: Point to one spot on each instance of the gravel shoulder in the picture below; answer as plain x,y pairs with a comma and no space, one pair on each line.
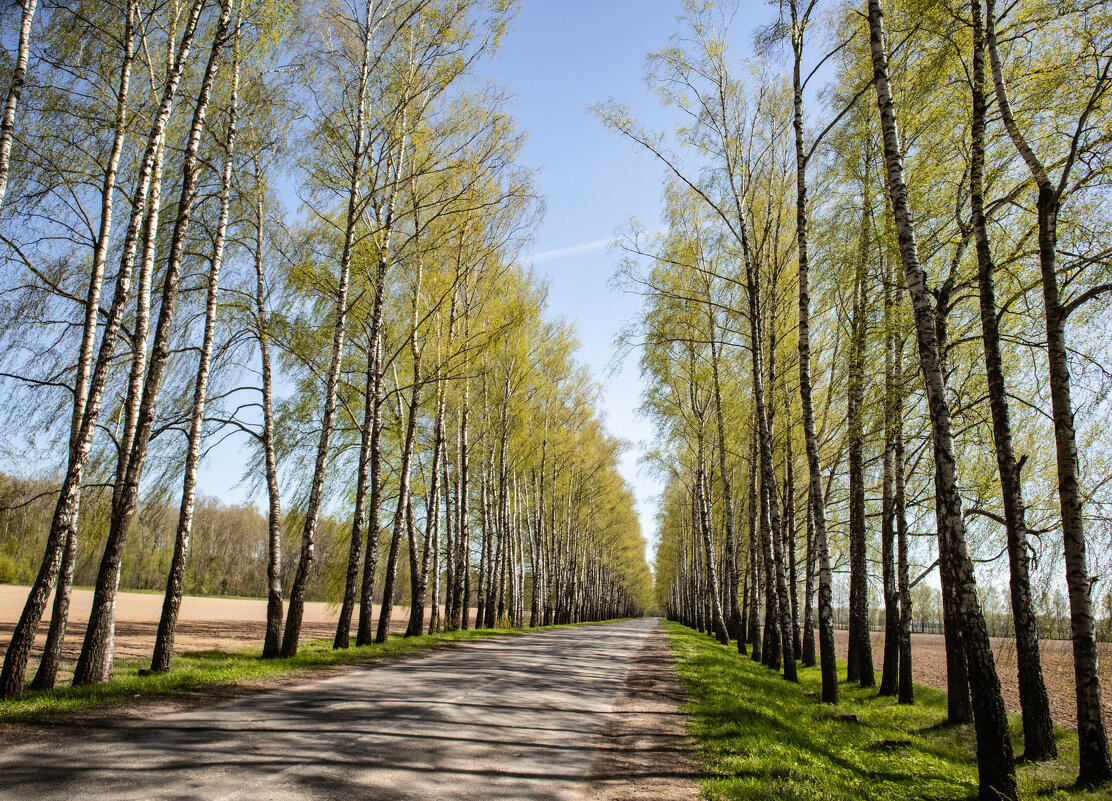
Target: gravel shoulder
645,753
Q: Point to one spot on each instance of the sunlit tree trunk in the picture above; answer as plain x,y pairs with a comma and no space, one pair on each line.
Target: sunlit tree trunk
768,475
815,498
733,608
404,478
995,760
365,631
316,488
359,513
47,673
95,662
702,504
272,638
462,589
429,555
15,90
175,584
64,521
48,666
436,619
1038,730
1095,760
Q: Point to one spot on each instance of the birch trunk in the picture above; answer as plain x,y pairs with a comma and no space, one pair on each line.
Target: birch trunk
768,475
1092,736
859,659
808,656
702,503
95,662
995,760
175,584
733,608
816,502
312,510
272,638
435,619
47,673
432,525
889,680
19,76
789,542
403,514
1038,729
365,630
48,666
449,542
754,506
906,687
462,590
64,520
355,546
386,610
414,566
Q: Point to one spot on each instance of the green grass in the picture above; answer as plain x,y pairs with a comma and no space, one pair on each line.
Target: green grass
211,669
761,737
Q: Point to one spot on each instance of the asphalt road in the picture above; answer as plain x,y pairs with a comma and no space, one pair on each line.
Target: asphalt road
507,718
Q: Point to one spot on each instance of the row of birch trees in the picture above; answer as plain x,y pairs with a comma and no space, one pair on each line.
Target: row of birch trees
299,228
876,341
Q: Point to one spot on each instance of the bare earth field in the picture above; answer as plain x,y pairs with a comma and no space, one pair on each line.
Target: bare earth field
204,624
928,666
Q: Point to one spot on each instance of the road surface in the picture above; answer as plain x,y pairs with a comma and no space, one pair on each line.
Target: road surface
528,717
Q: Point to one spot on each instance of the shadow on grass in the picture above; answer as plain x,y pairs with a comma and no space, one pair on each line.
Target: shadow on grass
761,737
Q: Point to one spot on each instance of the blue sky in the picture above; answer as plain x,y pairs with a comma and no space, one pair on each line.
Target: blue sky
559,58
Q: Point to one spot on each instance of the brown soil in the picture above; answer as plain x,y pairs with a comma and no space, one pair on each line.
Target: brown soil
204,624
645,752
928,666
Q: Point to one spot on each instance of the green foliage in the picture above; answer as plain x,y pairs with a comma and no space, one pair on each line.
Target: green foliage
228,551
8,572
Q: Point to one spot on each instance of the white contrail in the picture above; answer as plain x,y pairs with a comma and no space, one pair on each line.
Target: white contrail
572,250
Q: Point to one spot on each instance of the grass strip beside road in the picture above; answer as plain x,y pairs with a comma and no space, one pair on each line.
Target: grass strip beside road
214,669
761,737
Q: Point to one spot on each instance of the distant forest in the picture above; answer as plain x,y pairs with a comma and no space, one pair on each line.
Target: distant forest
229,544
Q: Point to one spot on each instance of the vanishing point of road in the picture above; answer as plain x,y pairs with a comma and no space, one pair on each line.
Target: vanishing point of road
579,713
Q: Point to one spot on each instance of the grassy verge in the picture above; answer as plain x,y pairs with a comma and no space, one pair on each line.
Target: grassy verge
210,669
762,737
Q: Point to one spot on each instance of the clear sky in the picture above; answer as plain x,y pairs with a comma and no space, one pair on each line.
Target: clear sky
559,58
